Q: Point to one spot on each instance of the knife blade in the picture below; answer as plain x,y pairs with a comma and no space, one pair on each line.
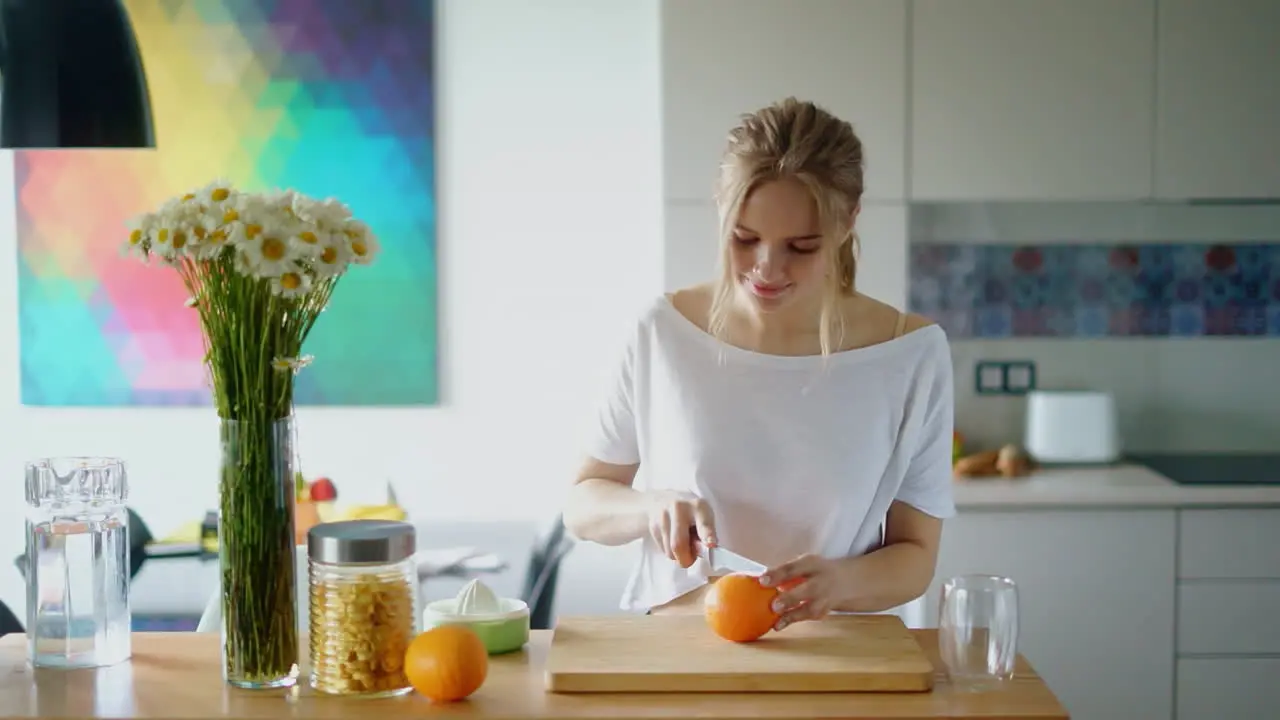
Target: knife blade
728,561
725,561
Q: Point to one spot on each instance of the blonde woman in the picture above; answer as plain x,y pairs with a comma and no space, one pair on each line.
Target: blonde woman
776,411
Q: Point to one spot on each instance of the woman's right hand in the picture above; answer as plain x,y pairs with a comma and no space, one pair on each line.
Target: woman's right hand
679,520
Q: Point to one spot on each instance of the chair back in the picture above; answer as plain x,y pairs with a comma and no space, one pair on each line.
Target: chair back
9,623
543,570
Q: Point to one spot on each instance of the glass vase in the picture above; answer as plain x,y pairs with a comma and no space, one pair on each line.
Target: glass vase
256,553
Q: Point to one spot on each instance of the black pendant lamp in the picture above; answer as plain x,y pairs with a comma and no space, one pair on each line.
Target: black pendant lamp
71,76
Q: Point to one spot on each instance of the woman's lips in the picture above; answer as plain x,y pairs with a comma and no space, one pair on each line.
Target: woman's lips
766,291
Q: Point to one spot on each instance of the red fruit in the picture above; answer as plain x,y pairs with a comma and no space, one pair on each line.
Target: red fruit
322,490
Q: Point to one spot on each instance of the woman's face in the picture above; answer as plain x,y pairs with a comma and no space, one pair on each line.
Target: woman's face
776,251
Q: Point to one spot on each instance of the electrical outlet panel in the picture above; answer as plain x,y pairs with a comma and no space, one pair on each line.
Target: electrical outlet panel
1019,377
989,378
1004,377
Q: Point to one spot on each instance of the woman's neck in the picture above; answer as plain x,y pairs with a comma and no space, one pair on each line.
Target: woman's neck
794,330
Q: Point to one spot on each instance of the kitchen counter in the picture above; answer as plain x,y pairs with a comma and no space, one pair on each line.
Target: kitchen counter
177,676
1100,487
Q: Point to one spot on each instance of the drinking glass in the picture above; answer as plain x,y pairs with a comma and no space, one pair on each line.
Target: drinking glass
978,630
77,562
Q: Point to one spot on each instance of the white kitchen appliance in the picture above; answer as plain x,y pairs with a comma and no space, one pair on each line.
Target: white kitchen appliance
1071,426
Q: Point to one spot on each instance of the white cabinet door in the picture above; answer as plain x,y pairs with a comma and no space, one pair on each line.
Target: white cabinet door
724,58
1044,100
1228,688
1229,544
1218,99
1096,597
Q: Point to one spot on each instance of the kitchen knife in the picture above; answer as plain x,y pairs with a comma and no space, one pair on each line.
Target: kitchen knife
726,561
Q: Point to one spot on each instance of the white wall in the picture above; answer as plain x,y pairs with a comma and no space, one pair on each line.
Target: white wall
551,211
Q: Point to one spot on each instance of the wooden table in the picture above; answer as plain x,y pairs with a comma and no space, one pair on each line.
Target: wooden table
176,675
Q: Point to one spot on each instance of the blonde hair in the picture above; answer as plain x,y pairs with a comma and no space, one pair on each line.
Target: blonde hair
796,140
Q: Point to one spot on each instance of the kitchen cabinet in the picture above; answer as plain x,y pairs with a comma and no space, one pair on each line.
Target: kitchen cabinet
1228,688
724,58
1217,99
1228,631
1045,100
1096,594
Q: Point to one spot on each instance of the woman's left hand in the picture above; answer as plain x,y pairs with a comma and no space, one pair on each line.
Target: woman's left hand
809,588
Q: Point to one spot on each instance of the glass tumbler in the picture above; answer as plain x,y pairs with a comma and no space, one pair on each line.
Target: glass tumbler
978,630
77,562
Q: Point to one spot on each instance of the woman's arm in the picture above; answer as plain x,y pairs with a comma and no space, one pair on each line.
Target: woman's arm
602,507
898,572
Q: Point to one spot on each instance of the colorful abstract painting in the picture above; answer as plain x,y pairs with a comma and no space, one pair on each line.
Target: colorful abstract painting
1098,290
333,98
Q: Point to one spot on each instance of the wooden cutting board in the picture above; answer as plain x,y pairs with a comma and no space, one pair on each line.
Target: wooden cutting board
679,653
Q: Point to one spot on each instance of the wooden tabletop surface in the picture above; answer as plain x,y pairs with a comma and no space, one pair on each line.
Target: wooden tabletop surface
176,675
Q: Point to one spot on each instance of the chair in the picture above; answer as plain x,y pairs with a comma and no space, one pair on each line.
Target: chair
139,537
544,568
9,622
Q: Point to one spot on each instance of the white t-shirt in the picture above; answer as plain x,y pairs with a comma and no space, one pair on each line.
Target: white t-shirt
795,454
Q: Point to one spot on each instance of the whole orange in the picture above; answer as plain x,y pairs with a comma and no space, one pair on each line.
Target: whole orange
446,663
739,609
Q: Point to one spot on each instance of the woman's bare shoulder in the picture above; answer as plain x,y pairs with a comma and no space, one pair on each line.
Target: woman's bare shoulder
915,321
693,302
880,319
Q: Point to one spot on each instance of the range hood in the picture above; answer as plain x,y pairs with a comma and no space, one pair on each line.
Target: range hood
71,76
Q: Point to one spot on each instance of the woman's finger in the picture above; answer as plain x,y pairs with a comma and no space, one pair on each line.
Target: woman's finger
795,593
663,535
811,610
799,568
704,520
680,537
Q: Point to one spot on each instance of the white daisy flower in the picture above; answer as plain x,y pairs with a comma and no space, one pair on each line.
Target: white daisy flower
268,251
361,241
333,259
290,364
291,283
308,242
141,228
327,213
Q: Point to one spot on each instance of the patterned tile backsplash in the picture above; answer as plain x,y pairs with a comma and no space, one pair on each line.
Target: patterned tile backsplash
1098,290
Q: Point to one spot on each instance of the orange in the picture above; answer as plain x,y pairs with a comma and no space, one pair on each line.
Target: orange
446,663
739,609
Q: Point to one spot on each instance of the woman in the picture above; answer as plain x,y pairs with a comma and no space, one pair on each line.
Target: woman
776,411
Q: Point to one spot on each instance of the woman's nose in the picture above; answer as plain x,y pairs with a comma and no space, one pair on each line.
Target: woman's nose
767,261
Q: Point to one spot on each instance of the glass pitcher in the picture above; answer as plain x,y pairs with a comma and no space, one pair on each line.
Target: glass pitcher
77,562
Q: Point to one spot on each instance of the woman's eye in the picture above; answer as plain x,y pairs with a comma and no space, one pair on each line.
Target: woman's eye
804,249
744,240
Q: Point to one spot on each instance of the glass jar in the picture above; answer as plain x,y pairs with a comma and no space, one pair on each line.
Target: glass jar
77,562
363,606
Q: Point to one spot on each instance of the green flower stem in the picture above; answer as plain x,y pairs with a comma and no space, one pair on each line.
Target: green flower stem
246,328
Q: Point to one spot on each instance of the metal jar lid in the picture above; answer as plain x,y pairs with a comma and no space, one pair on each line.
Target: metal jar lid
361,542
